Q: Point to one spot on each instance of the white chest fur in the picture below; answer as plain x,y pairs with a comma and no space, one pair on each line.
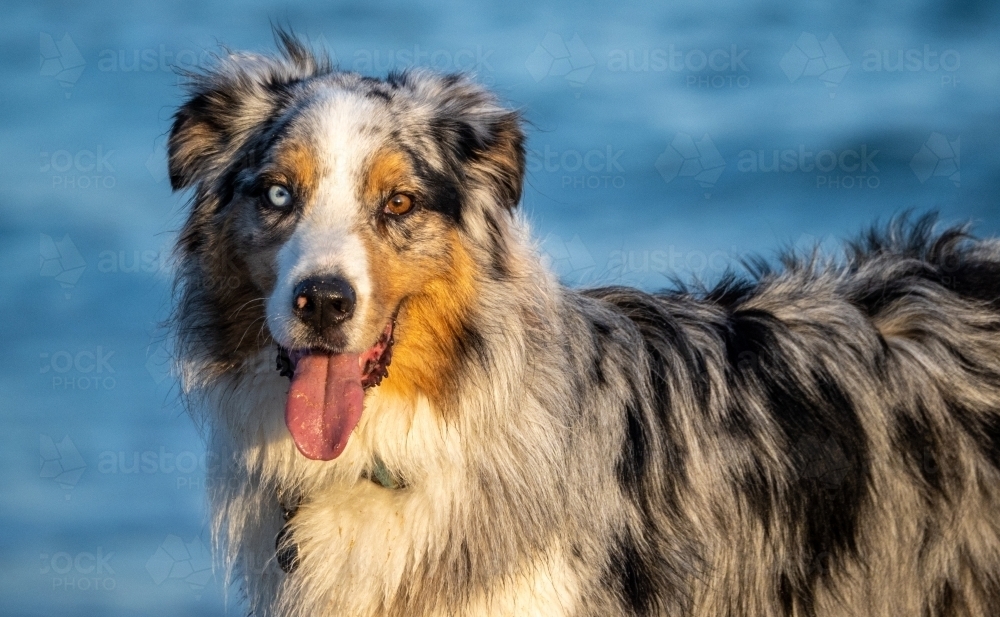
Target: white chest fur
360,544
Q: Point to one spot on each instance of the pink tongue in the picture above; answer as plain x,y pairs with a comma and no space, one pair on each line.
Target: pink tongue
324,404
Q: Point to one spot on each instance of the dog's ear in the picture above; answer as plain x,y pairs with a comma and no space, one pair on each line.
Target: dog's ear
501,157
231,102
481,132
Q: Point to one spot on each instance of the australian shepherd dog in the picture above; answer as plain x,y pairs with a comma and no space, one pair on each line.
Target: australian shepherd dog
411,416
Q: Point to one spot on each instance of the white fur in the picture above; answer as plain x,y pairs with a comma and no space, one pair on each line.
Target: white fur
325,241
358,541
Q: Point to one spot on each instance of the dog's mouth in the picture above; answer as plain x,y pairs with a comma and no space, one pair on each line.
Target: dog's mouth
326,395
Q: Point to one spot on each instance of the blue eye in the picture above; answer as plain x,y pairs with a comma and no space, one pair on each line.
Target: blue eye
279,196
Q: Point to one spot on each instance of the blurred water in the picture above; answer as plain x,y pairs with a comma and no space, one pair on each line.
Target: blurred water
652,133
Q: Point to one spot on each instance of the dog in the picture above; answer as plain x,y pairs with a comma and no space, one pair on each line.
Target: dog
410,415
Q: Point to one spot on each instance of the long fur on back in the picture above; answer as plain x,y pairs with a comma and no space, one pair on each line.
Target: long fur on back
838,422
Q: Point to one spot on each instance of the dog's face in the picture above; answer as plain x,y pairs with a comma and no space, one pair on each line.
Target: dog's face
342,205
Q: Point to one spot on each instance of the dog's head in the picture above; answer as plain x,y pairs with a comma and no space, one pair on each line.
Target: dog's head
335,215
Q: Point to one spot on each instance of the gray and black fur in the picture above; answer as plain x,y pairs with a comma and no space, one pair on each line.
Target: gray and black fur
816,439
840,401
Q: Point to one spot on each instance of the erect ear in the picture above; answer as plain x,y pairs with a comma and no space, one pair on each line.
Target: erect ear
229,104
483,134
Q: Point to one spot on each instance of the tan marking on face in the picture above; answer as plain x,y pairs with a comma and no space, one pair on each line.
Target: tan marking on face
388,171
434,296
298,162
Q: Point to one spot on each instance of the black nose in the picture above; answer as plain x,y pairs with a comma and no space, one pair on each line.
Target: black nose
324,302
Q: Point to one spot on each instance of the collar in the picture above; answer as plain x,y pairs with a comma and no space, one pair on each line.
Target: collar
381,475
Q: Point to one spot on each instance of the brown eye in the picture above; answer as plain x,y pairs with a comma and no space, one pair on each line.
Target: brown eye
399,204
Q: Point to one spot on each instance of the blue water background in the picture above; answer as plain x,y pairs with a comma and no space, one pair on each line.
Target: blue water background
633,109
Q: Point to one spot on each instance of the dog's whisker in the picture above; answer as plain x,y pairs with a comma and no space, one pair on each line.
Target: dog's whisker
250,302
246,330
